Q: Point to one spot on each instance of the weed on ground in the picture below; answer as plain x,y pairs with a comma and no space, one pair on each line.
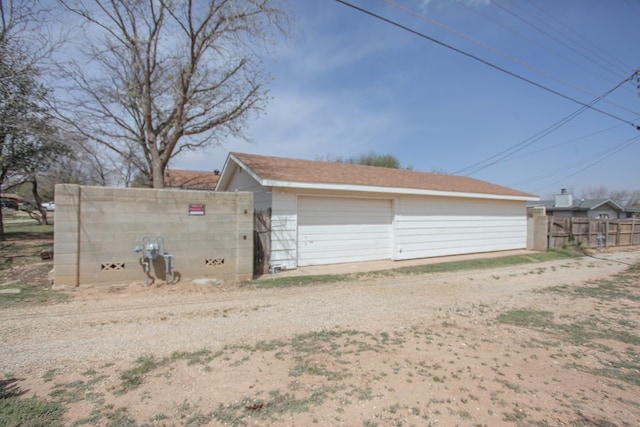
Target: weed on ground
23,274
446,267
609,336
563,356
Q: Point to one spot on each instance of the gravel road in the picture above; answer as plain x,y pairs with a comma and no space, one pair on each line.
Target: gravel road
125,323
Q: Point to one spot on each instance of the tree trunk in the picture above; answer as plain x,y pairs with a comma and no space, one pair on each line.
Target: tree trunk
1,213
157,174
1,225
38,200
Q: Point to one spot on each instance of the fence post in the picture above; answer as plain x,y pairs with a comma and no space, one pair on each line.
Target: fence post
537,228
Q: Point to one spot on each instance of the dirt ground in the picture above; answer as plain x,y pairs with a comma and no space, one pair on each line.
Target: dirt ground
548,344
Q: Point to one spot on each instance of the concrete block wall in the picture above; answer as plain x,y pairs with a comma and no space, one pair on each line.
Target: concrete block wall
536,228
97,229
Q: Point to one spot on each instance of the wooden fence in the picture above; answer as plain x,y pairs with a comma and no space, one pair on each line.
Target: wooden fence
593,232
261,241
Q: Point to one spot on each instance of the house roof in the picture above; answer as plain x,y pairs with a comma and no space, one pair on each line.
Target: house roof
191,180
280,171
579,205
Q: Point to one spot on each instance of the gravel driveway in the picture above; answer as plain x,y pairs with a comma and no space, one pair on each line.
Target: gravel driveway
122,323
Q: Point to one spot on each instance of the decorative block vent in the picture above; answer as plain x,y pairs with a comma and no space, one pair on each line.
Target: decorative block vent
112,266
212,262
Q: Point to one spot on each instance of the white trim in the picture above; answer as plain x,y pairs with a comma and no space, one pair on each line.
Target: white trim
360,188
247,169
607,202
390,190
341,195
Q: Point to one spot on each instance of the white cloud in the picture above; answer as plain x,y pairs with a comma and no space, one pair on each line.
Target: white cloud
425,4
302,125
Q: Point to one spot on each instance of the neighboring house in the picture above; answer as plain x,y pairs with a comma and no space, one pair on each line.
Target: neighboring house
328,212
565,205
191,180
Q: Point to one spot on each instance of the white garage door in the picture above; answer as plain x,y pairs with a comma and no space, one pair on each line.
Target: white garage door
334,230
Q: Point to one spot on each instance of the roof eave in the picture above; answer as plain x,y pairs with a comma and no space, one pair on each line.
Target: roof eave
391,190
609,202
224,175
231,164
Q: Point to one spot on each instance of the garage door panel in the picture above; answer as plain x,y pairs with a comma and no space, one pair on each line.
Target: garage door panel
330,211
345,232
332,230
335,258
346,240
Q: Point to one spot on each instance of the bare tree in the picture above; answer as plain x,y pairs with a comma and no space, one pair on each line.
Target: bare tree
627,198
599,192
161,77
25,39
85,163
634,199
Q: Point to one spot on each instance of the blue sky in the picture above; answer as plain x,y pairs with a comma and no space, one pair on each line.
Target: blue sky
346,83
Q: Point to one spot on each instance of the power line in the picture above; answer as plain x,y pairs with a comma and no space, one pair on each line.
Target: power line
569,166
589,46
532,41
520,146
611,153
483,61
504,154
506,55
569,141
551,36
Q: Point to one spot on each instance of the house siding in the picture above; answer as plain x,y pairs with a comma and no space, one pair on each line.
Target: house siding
593,214
603,212
242,181
284,229
415,225
427,227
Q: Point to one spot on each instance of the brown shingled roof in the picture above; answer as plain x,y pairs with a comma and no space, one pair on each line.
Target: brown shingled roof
321,172
191,180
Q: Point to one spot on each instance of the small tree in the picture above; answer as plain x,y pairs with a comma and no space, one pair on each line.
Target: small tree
164,77
27,137
370,159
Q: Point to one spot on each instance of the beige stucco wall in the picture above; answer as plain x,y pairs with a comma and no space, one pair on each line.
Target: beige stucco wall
97,229
536,228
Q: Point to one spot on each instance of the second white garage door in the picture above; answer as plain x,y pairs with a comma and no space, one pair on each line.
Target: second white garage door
334,230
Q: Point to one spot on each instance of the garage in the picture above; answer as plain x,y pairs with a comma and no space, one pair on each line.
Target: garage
334,229
323,213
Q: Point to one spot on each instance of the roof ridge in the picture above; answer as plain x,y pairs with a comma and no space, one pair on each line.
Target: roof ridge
346,164
283,169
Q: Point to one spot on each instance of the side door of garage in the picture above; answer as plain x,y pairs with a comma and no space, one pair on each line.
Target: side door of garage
334,230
